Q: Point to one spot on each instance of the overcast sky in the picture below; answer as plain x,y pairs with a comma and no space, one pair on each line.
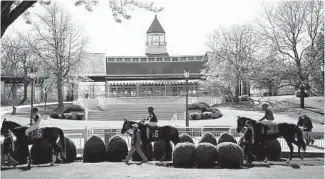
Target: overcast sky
186,23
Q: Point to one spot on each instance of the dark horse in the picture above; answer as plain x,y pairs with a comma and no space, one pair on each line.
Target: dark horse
50,134
285,130
166,133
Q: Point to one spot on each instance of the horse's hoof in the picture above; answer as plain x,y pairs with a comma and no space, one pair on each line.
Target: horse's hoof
51,164
288,162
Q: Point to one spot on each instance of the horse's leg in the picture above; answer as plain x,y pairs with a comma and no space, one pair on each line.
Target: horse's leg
297,144
29,159
53,153
145,149
289,142
165,153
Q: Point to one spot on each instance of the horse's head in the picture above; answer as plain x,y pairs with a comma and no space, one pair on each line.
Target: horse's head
8,125
241,121
126,126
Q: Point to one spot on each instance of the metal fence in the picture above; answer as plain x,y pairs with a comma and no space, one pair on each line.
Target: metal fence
80,136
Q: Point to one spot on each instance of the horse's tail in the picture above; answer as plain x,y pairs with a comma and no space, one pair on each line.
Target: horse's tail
63,146
175,138
301,139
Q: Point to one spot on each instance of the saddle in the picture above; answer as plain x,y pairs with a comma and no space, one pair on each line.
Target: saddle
153,132
36,134
270,129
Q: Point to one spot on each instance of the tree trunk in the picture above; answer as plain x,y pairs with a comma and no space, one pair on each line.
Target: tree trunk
45,98
25,86
14,91
237,90
9,15
302,96
60,91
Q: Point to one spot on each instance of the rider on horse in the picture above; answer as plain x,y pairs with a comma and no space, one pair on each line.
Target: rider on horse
151,120
268,116
35,124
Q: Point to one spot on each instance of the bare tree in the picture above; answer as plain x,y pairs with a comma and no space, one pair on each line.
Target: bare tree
291,28
234,51
59,43
17,60
11,10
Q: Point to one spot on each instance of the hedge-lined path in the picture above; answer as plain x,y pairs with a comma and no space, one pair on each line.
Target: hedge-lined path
228,119
310,168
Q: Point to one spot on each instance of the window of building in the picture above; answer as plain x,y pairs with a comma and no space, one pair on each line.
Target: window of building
135,59
159,59
151,59
183,59
167,59
198,57
190,58
110,59
143,59
175,59
119,59
127,59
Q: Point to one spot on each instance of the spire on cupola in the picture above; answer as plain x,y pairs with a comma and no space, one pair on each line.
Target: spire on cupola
156,39
155,27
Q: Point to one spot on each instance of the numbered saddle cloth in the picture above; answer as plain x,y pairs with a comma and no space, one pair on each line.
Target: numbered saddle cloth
153,132
36,134
271,129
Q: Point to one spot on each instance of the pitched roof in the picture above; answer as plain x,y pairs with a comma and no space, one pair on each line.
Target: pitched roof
155,27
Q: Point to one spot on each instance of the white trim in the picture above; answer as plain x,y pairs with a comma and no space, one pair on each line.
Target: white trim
162,82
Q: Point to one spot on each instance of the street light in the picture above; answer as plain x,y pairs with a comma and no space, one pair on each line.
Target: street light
186,76
31,76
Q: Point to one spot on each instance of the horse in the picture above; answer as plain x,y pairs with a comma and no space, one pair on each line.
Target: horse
51,134
167,133
285,130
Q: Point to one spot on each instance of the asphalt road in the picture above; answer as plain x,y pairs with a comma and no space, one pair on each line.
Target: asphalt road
309,168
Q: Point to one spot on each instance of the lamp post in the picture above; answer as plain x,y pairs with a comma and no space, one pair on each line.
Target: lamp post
31,76
186,76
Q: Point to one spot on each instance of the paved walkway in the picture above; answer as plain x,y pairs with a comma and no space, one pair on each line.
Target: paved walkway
308,169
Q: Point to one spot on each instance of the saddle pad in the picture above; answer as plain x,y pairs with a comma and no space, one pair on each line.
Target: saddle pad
36,134
273,128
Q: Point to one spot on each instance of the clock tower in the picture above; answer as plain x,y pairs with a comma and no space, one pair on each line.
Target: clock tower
156,40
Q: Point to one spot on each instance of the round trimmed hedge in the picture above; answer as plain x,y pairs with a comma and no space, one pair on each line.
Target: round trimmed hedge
117,149
159,150
149,154
208,138
226,137
185,138
230,155
271,149
41,152
184,155
94,150
206,155
70,149
20,153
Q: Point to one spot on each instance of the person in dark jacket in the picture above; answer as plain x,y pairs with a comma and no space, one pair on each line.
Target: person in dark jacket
248,140
8,149
135,145
305,124
151,121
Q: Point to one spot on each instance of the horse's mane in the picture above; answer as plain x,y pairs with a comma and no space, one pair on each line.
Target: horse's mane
13,123
247,118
